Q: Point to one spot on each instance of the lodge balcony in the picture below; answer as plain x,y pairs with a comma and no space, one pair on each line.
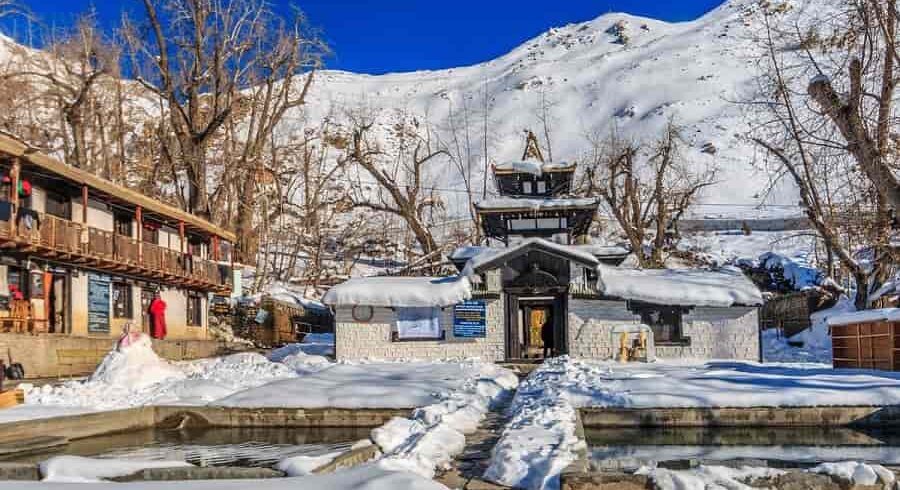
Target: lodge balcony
68,242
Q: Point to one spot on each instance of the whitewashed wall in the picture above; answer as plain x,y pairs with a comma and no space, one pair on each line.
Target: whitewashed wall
715,333
360,340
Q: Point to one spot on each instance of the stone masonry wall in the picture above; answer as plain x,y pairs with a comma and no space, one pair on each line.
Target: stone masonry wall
358,340
39,353
715,333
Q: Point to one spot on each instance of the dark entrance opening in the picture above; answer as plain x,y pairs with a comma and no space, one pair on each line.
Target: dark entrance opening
58,303
146,298
536,325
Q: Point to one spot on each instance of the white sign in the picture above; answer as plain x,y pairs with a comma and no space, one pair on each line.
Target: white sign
418,323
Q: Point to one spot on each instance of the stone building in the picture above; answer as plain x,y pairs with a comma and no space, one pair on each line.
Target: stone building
546,292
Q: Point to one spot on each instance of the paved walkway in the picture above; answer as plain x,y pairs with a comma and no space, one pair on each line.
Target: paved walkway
469,467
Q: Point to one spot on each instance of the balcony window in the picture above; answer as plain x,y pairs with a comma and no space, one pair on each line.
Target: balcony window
58,205
150,233
122,300
123,224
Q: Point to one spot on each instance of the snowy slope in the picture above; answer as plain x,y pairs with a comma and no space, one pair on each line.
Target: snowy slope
693,71
594,80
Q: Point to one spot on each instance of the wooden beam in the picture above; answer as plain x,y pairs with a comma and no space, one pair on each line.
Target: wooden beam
84,204
14,195
139,218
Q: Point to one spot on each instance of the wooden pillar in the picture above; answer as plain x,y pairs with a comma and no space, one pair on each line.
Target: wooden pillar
181,234
215,248
14,194
84,204
139,218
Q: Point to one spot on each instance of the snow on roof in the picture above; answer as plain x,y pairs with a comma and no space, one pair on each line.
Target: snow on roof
495,255
471,251
602,250
400,292
537,204
688,287
533,167
865,316
468,251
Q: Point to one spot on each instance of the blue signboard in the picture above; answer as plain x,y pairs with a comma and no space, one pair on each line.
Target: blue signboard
470,320
98,303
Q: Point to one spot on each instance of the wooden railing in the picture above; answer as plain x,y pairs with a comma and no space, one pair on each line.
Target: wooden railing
126,249
60,236
100,243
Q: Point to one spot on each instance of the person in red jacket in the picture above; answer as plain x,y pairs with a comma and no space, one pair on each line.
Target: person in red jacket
157,317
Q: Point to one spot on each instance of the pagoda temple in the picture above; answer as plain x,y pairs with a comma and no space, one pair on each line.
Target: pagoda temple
536,201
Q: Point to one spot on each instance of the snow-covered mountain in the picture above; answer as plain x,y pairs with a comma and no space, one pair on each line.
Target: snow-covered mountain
617,70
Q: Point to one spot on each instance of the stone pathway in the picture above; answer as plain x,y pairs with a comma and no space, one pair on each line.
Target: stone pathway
468,468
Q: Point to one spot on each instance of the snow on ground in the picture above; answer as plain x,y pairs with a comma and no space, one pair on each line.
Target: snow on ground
76,469
540,440
369,385
448,400
815,341
706,477
367,477
634,456
437,433
135,376
728,247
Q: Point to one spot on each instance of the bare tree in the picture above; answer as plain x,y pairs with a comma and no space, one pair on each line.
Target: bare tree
647,187
198,56
824,118
544,115
401,175
68,72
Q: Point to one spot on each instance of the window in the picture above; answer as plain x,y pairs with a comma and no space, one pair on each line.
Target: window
195,246
194,310
123,224
527,187
418,324
58,205
122,301
665,321
542,187
17,277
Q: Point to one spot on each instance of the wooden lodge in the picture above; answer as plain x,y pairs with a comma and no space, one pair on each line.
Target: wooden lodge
868,339
82,256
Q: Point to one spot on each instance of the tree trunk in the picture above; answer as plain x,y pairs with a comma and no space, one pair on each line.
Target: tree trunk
246,246
862,291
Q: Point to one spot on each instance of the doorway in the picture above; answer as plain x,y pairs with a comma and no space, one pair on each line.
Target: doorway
58,303
146,298
536,326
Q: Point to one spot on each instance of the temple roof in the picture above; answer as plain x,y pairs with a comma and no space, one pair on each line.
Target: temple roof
533,167
536,204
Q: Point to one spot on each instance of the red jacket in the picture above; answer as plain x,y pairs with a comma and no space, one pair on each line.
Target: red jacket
158,318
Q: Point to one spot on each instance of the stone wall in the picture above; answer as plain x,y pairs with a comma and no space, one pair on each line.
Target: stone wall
38,353
372,339
715,333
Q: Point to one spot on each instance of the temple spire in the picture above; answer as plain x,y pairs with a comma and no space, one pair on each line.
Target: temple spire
532,147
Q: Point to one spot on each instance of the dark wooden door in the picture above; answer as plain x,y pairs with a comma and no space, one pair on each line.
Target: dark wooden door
513,342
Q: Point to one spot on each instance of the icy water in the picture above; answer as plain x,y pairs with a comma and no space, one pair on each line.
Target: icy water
246,447
628,448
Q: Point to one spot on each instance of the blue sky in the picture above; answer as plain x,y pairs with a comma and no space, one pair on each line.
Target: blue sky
402,35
